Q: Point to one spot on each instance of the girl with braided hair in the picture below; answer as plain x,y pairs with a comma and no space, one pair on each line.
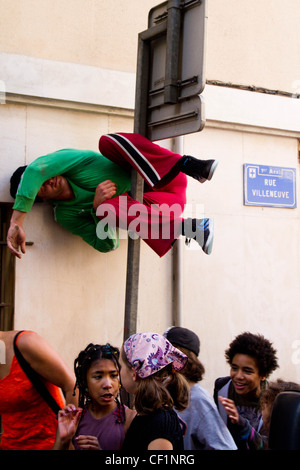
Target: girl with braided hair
101,420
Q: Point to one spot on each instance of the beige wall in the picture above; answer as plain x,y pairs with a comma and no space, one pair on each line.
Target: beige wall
68,70
252,43
102,33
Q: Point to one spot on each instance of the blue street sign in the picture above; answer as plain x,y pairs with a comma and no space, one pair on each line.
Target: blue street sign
272,186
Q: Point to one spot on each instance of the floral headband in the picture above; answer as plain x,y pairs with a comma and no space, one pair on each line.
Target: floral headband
150,352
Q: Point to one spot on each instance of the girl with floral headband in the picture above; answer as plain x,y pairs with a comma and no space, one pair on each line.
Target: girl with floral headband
150,368
101,420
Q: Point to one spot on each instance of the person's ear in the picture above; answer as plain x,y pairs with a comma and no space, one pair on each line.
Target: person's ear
134,375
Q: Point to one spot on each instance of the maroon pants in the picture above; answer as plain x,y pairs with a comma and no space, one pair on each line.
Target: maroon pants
158,219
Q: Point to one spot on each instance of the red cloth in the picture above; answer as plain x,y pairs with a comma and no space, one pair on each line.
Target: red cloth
27,420
158,219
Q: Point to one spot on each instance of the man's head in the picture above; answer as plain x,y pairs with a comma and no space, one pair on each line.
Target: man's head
52,189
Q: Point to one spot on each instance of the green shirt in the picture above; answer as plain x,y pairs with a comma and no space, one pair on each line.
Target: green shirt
84,170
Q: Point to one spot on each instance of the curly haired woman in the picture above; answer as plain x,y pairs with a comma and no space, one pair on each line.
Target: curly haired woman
252,359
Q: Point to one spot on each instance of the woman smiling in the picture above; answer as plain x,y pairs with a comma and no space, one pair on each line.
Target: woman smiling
252,359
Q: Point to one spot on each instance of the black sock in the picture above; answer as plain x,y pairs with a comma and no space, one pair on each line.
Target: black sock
192,223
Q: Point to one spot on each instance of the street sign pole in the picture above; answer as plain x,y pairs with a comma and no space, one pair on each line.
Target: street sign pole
137,182
133,253
172,52
169,79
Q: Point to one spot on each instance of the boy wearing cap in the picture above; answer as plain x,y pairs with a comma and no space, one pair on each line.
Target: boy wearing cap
205,428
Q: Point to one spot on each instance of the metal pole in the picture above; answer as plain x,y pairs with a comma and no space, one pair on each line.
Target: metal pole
172,52
177,314
137,183
140,127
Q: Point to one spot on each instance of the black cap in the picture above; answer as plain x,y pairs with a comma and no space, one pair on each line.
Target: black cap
184,338
15,180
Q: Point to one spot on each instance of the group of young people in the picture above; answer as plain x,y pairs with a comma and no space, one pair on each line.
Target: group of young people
91,196
171,410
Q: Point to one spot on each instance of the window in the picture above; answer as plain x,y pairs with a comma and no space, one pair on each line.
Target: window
7,273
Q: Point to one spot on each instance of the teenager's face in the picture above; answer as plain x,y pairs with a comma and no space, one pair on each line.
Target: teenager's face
103,383
53,188
128,376
245,375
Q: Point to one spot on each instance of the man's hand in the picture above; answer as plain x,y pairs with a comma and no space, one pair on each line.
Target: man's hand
16,239
16,236
105,190
230,409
